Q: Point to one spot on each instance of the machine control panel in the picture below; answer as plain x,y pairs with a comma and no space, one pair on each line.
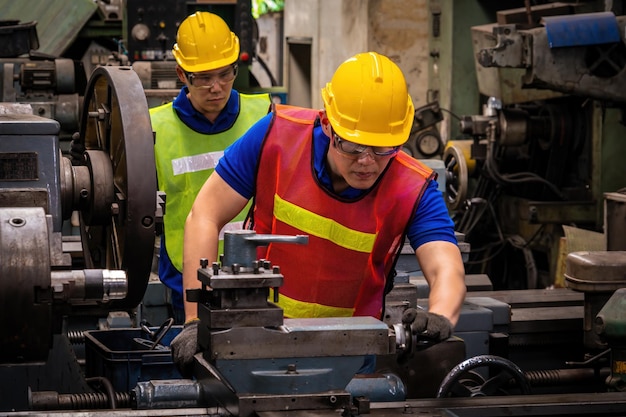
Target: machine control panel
150,27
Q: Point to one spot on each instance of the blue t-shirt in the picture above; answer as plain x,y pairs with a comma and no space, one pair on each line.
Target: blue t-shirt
238,168
195,120
198,121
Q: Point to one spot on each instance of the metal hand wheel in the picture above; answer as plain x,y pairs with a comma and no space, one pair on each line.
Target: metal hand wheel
463,381
457,177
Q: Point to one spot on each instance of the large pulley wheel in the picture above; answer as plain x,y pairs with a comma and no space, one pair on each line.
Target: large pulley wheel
119,221
457,177
464,381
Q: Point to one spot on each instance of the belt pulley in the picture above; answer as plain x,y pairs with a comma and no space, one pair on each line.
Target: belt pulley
118,215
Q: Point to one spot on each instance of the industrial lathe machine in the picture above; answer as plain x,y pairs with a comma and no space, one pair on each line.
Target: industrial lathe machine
77,238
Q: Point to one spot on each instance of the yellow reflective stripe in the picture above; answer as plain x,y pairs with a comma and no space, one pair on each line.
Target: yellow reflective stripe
299,309
322,227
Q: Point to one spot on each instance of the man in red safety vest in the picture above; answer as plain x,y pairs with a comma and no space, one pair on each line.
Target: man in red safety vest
339,176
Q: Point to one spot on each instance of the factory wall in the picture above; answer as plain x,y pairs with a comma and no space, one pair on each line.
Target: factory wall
320,34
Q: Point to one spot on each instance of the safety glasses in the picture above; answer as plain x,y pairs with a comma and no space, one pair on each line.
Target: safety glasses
355,150
202,80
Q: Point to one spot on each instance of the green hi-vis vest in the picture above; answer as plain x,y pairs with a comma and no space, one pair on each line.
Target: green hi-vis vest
185,159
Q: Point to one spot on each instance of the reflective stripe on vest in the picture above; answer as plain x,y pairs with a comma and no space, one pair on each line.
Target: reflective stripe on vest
305,309
325,228
353,244
196,163
185,159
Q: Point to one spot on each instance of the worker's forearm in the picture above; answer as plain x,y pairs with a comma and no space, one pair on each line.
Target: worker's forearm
447,295
200,242
208,215
443,268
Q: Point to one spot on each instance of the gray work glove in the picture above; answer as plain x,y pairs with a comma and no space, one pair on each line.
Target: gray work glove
429,325
184,346
77,149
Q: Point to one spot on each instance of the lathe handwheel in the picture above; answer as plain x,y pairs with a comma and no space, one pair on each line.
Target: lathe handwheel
456,176
118,224
462,381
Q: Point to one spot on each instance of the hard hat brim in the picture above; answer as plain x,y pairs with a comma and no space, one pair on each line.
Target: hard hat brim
188,66
372,139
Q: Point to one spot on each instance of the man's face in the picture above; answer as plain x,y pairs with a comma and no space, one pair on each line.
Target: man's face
355,165
209,91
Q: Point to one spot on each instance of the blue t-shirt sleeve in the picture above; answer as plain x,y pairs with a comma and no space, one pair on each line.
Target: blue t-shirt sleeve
238,165
431,221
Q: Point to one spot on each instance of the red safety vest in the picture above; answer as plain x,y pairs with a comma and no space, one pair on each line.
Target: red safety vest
353,244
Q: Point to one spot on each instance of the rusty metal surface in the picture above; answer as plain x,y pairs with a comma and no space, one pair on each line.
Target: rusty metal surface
24,269
58,21
504,83
593,70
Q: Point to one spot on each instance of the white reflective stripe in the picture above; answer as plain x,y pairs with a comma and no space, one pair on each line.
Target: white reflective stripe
196,163
231,226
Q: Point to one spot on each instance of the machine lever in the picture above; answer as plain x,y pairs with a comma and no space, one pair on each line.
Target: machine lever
262,240
240,245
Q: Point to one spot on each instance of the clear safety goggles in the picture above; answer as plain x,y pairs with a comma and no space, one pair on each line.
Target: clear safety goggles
355,150
204,80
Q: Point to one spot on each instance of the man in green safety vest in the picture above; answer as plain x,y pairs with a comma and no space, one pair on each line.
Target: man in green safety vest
192,132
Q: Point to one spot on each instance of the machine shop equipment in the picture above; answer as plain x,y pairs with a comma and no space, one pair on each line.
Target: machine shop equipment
254,362
151,26
63,277
296,364
116,129
544,335
545,149
425,140
609,326
140,33
48,274
49,85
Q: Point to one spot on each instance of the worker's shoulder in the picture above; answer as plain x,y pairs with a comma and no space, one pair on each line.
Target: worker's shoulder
160,109
295,113
264,97
414,164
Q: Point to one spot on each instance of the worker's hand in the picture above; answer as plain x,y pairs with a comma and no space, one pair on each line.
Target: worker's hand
77,149
428,325
184,347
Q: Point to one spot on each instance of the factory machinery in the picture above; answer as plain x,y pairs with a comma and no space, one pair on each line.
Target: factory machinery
546,150
73,344
51,81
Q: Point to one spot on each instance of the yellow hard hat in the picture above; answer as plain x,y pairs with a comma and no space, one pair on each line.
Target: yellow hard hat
204,42
367,101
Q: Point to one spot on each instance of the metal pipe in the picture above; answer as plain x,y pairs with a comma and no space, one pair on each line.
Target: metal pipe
175,393
89,285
